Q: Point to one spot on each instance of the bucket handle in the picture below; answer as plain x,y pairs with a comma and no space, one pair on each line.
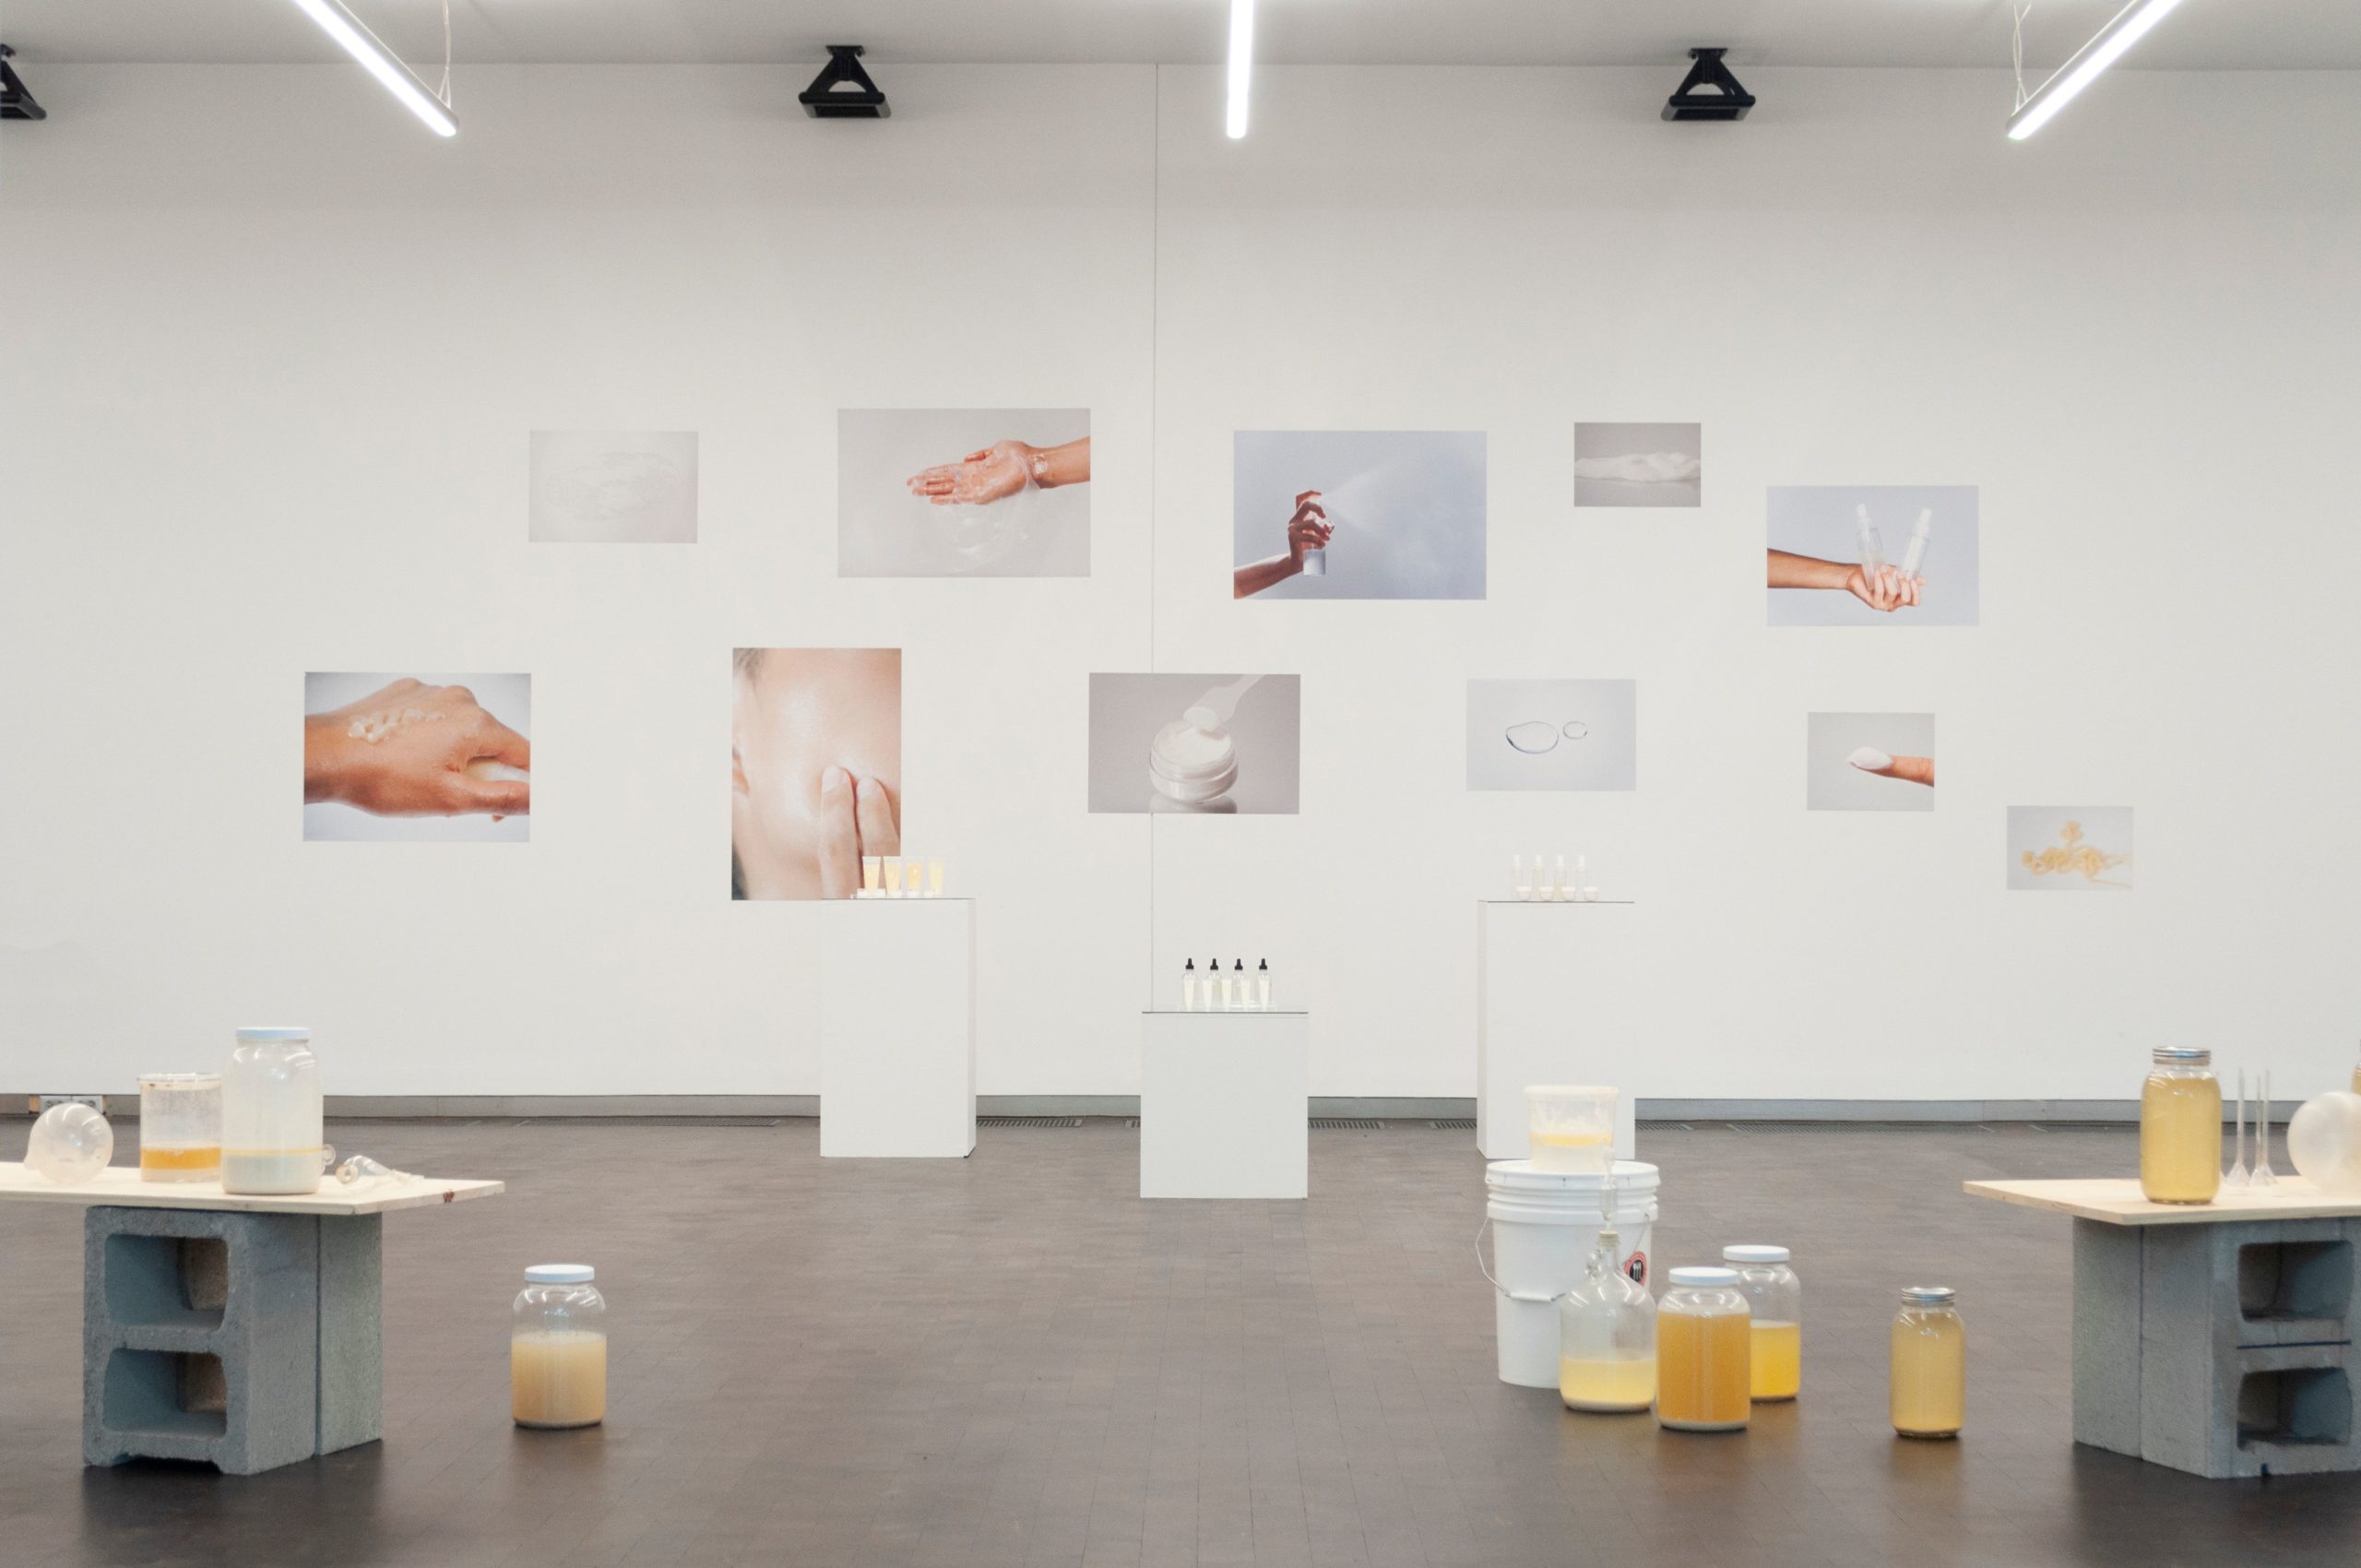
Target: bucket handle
1486,1267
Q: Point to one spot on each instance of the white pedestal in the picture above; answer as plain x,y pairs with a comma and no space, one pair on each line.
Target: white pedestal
1225,1105
1556,1002
898,1028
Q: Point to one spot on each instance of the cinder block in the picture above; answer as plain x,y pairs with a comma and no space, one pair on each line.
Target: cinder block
200,1337
352,1356
2241,1357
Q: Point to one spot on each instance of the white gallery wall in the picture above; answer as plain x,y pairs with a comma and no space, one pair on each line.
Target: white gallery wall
273,355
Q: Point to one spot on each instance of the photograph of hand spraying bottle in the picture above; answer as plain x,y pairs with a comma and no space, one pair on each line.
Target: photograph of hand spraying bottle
1358,514
1831,556
1218,746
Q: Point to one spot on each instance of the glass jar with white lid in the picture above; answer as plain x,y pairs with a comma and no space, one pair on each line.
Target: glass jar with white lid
273,1138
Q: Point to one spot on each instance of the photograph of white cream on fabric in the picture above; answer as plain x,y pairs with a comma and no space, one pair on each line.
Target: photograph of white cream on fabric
1218,746
1870,762
613,487
411,758
1638,465
1357,514
1872,555
2069,848
963,492
1553,734
815,768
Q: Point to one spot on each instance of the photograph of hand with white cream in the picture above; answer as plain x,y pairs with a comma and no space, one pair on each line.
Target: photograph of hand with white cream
963,492
613,487
1357,514
2069,848
1638,465
1553,734
1870,762
815,768
1872,555
403,757
1221,745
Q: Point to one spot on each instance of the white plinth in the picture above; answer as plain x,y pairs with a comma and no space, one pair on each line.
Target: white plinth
1225,1105
1557,1002
897,1028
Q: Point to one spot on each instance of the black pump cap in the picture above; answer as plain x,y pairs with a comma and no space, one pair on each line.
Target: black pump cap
1263,965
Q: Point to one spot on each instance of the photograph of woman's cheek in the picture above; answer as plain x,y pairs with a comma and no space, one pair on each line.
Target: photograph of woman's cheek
815,769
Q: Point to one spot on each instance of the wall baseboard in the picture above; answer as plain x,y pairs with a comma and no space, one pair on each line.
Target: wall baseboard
1412,1107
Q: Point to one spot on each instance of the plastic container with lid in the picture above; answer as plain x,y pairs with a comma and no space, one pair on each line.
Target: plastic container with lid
180,1126
1704,1352
1927,1391
1570,1127
2180,1128
557,1348
271,1131
1775,1297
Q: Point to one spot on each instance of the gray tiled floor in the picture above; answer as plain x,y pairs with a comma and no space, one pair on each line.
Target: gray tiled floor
1011,1359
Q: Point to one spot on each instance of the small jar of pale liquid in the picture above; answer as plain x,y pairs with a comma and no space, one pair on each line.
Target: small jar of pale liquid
1928,1388
557,1348
1776,1298
1704,1353
2180,1128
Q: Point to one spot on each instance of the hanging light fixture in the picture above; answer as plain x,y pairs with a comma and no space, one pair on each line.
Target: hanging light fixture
2037,109
1241,63
382,63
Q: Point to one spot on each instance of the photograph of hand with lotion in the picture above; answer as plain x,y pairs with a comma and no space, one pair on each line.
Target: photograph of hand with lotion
815,769
963,492
1870,762
1357,514
1195,744
1832,548
447,758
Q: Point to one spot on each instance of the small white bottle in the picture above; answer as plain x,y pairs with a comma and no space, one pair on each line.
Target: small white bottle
1558,887
1916,556
1518,879
1262,986
1242,988
1189,986
1872,548
1216,987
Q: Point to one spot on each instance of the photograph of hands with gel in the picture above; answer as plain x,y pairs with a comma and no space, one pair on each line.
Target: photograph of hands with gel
391,757
1872,555
963,492
815,768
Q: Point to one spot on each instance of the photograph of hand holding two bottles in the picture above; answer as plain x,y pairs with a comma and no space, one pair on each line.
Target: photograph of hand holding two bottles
1875,581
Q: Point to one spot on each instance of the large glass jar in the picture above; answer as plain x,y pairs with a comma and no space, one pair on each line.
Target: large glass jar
557,1348
1776,1298
1704,1328
1606,1336
2180,1128
271,1135
1928,1388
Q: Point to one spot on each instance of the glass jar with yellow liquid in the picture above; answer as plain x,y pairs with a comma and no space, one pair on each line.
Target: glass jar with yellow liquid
1704,1353
1607,1335
1927,1382
2180,1128
1775,1297
557,1348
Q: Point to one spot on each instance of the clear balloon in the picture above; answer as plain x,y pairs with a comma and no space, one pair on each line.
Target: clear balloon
2324,1141
70,1144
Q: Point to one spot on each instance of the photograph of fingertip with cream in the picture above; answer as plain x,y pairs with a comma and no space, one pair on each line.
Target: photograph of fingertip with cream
963,492
613,487
1638,465
2069,848
1872,555
1553,734
1215,745
1357,514
815,769
418,758
1870,762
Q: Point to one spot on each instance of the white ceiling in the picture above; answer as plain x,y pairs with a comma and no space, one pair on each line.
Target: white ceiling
2201,35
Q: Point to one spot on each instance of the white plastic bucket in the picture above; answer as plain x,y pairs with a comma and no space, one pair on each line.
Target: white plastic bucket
1544,1226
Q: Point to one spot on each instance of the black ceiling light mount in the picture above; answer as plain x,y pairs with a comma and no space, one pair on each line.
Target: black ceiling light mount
842,90
16,103
1708,91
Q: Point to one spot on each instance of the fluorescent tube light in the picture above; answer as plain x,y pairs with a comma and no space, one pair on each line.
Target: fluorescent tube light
1241,63
2129,26
381,62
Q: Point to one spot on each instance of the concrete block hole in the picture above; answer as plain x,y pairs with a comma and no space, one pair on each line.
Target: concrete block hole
2281,1280
2300,1405
168,1282
166,1391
